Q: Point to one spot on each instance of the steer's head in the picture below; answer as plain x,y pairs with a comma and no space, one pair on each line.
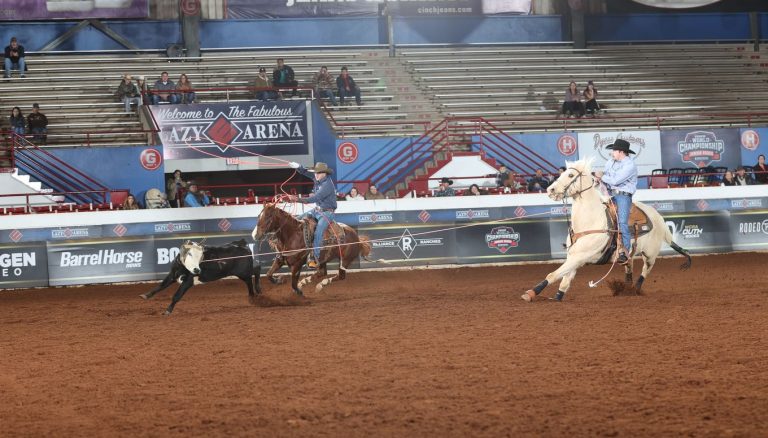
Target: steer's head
191,255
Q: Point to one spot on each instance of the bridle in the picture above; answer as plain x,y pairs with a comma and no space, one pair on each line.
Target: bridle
581,189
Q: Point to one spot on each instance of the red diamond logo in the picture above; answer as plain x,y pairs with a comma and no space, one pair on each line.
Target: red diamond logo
702,204
225,225
424,216
15,235
119,230
520,211
222,132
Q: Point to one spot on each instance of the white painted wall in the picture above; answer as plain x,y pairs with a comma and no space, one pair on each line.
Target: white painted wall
471,165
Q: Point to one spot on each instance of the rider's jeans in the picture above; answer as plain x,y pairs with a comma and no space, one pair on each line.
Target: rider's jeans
624,206
324,218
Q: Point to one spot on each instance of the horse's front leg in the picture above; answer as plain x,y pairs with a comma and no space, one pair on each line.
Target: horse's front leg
295,271
277,263
571,265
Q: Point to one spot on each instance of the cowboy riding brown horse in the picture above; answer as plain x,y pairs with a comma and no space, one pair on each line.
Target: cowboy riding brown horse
290,237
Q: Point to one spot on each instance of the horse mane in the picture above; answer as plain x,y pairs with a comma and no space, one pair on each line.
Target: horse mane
281,214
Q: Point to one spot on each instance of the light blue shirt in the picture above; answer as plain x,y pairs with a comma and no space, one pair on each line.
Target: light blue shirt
621,175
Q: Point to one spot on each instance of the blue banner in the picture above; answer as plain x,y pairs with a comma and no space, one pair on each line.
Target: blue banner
229,130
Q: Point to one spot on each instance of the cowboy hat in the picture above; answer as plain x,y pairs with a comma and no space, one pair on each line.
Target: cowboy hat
321,167
620,145
445,180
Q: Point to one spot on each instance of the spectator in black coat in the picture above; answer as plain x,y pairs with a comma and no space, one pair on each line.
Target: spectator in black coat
347,87
538,183
14,57
742,179
38,124
284,77
502,176
761,170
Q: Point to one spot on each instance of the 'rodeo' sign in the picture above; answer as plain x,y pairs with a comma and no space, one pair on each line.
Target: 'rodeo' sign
221,130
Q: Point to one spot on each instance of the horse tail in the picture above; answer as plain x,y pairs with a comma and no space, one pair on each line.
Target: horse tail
365,250
680,250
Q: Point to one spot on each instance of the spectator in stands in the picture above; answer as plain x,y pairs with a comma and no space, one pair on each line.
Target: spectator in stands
14,58
513,184
129,93
445,188
130,203
195,198
742,179
761,170
728,179
473,190
174,187
38,124
590,99
347,87
354,195
538,183
284,77
164,84
261,82
373,193
572,104
156,199
141,84
185,88
18,123
323,84
502,176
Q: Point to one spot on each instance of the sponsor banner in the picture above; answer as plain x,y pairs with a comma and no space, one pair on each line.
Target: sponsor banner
228,130
529,212
104,261
684,148
75,233
699,233
754,142
23,265
476,214
749,231
415,245
178,227
693,205
645,144
250,9
54,9
554,149
503,242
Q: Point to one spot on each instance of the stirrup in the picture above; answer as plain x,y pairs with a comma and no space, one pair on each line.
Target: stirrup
311,264
622,259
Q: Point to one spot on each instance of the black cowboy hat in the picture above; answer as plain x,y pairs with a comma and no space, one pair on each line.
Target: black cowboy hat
321,167
445,180
620,145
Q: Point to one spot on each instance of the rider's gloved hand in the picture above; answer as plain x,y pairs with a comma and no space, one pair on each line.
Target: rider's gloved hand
294,165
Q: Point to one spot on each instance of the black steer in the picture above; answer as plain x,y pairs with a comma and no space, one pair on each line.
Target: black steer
205,263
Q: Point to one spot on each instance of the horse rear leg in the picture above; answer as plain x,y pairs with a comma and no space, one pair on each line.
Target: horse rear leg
341,275
565,284
648,263
295,271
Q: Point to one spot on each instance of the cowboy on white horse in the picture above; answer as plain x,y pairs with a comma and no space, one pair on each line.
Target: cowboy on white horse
620,177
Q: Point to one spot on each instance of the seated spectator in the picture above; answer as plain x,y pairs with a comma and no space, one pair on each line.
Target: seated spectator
347,87
513,184
445,188
14,59
38,125
728,179
354,195
156,199
128,93
572,104
742,179
473,190
185,89
164,84
195,198
174,187
130,203
761,170
538,183
590,97
374,193
141,84
502,176
283,76
18,123
260,84
323,84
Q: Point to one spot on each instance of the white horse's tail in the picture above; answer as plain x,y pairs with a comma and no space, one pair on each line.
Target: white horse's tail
676,247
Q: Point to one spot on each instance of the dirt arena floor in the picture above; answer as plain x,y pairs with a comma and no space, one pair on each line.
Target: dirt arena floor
450,352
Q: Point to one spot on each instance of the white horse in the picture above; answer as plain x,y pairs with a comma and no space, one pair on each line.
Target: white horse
592,234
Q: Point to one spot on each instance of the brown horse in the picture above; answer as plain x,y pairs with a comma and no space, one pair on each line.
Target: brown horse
288,239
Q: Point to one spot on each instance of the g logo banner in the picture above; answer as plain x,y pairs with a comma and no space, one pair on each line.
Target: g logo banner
150,159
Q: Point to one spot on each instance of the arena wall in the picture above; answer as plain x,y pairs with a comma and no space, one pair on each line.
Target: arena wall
115,246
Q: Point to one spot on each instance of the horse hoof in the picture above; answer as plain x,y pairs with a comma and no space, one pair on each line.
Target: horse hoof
275,280
144,296
528,296
167,313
